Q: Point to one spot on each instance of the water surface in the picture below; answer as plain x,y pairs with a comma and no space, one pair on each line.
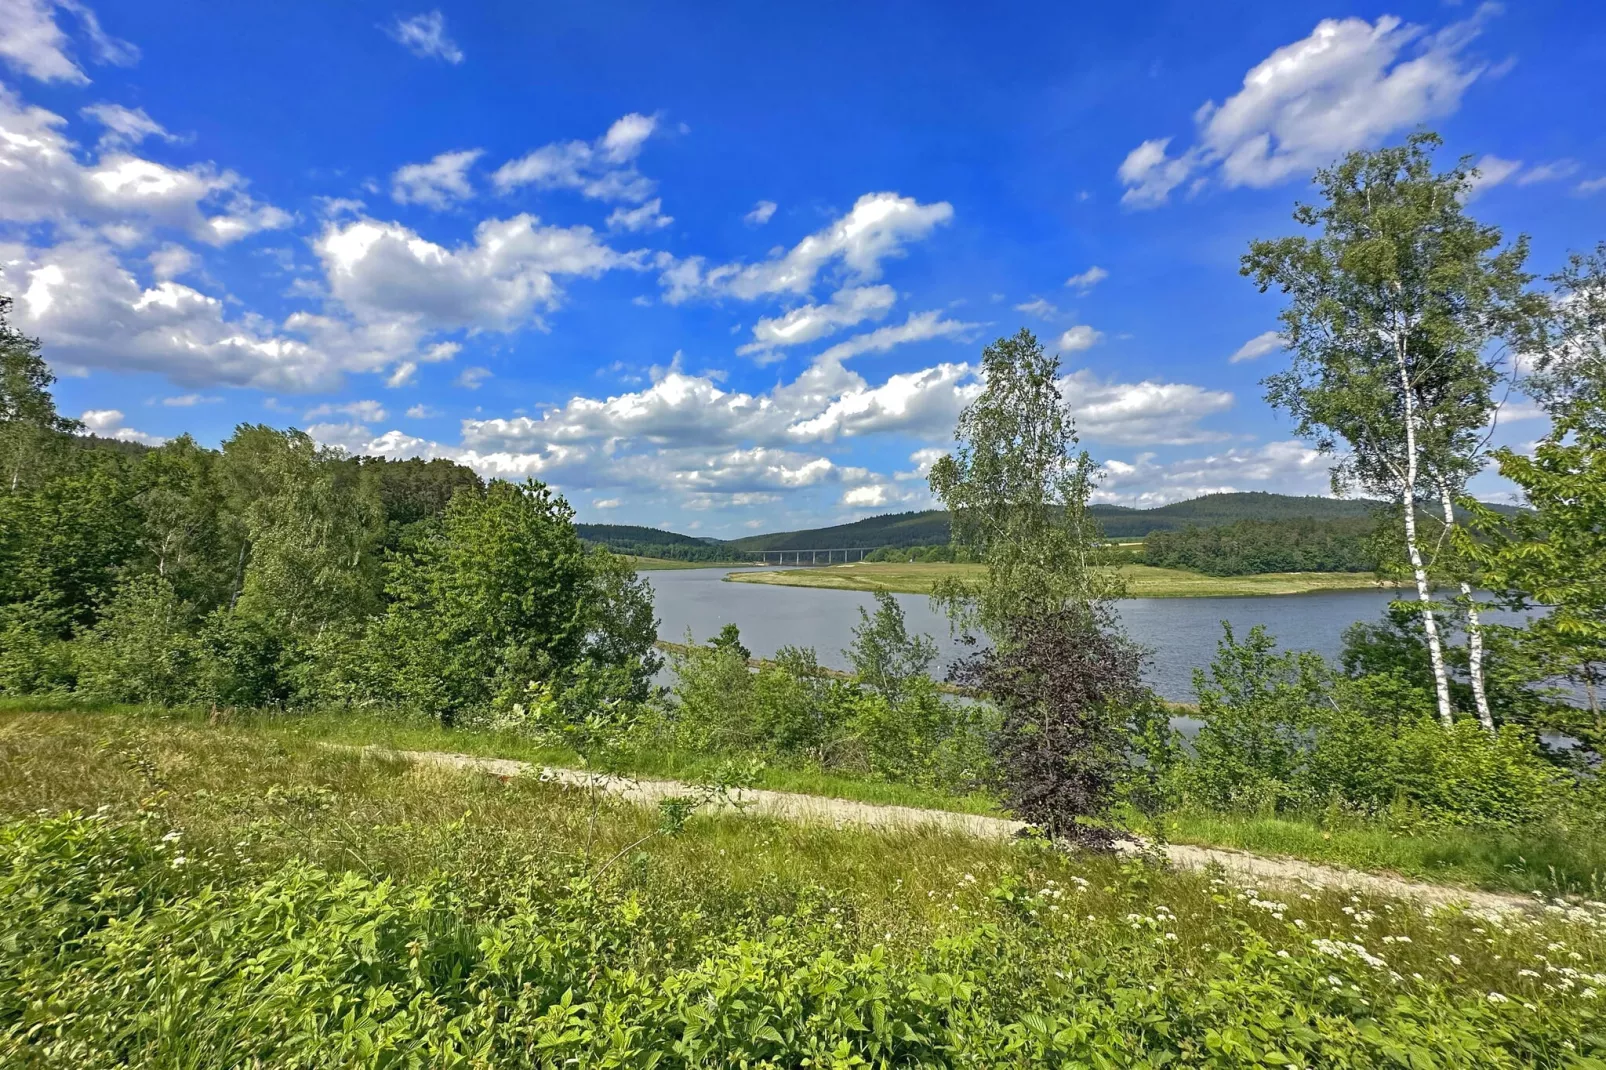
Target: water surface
1181,632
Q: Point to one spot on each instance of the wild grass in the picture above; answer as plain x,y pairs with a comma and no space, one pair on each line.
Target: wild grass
1143,581
181,894
1550,859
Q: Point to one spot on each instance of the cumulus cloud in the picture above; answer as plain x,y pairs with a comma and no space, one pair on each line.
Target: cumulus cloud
1494,171
42,181
108,423
1281,467
1038,307
371,411
761,213
425,37
1348,85
1144,413
472,377
31,42
919,327
1257,347
95,314
184,401
876,228
848,307
649,216
1079,338
387,272
1084,281
603,170
438,183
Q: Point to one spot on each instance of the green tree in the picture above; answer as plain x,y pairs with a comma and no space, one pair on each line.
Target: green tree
28,417
1396,311
884,655
504,595
1552,556
1569,376
1017,489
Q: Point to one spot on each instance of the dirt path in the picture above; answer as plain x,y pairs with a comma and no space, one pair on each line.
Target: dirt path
817,809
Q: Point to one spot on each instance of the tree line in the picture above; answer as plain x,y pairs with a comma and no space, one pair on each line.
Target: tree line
273,571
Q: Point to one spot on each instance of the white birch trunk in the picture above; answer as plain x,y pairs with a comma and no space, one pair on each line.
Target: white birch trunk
1474,626
1430,623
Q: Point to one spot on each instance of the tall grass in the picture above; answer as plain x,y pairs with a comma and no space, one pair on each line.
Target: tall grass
179,894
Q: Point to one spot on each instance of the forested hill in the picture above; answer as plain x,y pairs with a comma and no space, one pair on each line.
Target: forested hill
931,526
653,542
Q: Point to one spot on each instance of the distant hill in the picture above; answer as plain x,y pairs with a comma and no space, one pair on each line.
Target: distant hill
654,542
1120,521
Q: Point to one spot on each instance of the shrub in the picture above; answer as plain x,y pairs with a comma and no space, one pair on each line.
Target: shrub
141,649
1062,681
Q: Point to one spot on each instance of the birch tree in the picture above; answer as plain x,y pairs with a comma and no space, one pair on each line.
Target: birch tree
1399,311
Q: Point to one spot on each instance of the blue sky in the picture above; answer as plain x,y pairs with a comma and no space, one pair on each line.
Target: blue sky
725,268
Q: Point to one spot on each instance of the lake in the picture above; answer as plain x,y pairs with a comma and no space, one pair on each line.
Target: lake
1182,632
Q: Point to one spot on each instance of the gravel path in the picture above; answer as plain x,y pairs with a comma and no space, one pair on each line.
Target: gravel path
817,809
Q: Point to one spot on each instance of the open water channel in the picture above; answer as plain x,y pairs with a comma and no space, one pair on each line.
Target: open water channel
1181,632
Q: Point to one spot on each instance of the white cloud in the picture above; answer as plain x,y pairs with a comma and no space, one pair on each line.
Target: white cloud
848,306
472,377
402,375
1349,85
425,37
32,44
1257,347
1282,467
1492,171
1039,308
606,503
1592,185
876,228
649,216
386,272
125,126
184,401
1086,280
42,181
95,314
437,183
603,170
919,327
371,411
422,412
1144,413
1079,338
761,213
108,423
922,459
170,261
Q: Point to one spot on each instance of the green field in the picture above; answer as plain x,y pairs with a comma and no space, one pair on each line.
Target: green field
655,564
180,894
1143,581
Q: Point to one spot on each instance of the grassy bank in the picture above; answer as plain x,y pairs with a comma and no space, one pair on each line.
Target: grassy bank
659,564
1143,581
229,897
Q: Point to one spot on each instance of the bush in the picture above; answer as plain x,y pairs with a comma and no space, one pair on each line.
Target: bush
1284,731
141,650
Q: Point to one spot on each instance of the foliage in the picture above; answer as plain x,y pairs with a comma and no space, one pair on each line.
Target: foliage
730,638
290,907
1552,557
1064,682
1284,731
890,724
503,594
1395,311
885,656
1017,489
142,649
1246,547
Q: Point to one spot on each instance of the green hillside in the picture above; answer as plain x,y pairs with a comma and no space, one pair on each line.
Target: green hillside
931,526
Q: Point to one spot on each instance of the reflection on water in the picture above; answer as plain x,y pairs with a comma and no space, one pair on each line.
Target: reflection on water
1182,632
